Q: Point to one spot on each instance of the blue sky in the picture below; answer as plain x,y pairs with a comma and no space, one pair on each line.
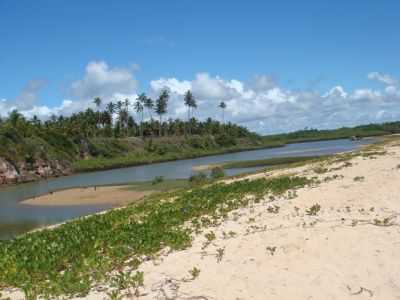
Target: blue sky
300,46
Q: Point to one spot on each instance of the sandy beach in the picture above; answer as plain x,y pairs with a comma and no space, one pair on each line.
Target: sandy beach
349,250
113,195
338,239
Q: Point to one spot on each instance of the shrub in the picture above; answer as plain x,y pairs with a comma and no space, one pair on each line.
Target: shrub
198,179
217,172
157,179
225,140
313,210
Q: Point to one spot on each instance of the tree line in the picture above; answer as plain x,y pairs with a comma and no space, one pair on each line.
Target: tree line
116,120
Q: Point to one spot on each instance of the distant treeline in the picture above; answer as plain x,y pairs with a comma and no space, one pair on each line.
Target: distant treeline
344,132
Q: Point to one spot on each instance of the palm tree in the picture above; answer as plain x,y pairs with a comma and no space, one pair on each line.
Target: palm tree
119,106
97,102
222,106
149,105
119,109
110,107
127,103
190,102
139,109
161,107
14,117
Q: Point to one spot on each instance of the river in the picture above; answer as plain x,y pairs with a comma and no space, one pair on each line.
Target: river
17,218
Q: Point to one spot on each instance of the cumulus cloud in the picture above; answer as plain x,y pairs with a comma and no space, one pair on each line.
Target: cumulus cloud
265,107
102,81
383,78
99,80
29,94
259,103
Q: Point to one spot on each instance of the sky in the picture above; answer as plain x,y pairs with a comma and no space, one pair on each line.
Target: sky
279,65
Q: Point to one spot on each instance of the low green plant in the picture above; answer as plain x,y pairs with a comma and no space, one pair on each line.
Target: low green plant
313,210
359,178
320,170
271,250
115,295
220,254
68,260
195,272
198,179
383,222
273,209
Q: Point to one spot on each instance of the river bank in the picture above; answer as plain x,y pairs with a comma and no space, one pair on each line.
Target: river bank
326,229
127,153
137,152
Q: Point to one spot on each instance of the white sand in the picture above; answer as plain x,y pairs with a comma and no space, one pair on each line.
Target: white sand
341,253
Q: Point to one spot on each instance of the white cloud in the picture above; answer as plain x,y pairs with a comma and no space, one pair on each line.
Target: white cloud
29,94
336,92
173,85
263,82
265,107
206,87
384,78
260,103
102,81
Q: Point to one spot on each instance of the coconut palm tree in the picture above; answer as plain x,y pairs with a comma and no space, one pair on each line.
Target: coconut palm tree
139,109
190,102
161,107
222,106
149,105
97,102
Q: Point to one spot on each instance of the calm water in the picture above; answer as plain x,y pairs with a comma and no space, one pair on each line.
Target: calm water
17,218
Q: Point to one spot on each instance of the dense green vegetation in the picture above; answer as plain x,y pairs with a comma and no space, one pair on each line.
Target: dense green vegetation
102,139
72,258
344,132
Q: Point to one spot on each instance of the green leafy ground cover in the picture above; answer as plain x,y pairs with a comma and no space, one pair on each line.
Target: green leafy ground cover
70,259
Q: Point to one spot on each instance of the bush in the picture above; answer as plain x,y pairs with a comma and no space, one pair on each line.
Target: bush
198,179
217,172
157,179
225,140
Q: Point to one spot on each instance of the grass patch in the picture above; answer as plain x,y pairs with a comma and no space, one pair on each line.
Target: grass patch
72,258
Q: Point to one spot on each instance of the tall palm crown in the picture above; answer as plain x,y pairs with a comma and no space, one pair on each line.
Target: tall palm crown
126,103
97,101
222,105
110,108
191,104
161,106
119,105
142,98
149,104
138,106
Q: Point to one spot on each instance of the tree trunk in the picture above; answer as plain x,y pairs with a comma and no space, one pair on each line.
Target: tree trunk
160,128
